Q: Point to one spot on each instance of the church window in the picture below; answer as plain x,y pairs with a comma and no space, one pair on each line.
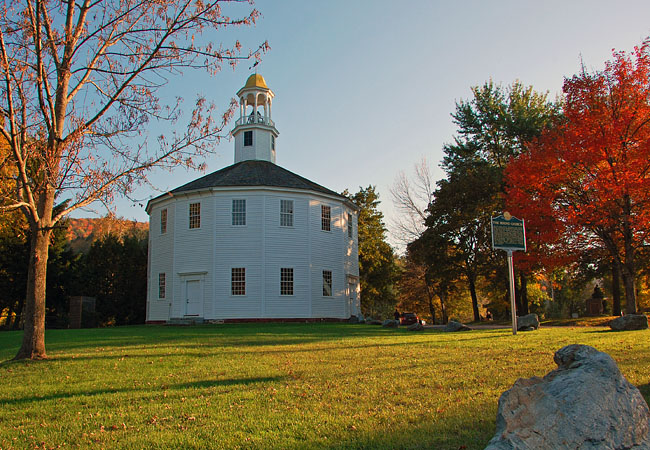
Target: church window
163,221
195,215
327,283
286,281
272,142
248,138
239,212
238,281
286,213
350,225
161,285
325,218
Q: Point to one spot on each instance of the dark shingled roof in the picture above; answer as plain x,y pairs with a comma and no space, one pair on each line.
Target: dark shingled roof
254,173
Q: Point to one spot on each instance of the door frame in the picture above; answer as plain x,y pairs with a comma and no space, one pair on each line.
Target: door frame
352,304
185,279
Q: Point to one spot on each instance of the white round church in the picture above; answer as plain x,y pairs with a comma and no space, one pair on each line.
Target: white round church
252,241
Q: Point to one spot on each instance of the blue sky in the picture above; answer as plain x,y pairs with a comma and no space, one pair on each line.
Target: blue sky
364,89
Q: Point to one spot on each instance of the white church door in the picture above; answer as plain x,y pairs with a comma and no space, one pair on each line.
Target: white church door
352,299
193,298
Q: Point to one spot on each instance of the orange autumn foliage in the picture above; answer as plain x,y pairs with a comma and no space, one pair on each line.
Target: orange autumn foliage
586,182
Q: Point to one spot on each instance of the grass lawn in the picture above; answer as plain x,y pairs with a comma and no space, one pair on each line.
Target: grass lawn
279,385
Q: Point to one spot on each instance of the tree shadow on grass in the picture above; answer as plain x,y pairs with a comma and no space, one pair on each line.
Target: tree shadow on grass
455,432
202,384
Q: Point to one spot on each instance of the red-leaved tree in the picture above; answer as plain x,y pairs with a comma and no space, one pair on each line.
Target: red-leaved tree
80,82
586,182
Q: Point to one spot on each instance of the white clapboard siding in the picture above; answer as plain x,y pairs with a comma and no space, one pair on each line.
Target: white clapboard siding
262,247
238,246
193,254
161,257
287,247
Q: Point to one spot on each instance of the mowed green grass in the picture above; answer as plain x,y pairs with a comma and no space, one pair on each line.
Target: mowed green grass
279,386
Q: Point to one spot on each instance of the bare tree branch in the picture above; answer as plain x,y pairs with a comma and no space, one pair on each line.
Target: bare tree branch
411,197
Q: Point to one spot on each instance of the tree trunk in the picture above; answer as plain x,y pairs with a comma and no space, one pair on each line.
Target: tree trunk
432,309
33,314
472,291
630,293
523,294
616,288
443,308
629,267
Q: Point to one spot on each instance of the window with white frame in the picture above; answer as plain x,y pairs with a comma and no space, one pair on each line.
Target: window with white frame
248,138
239,212
325,218
238,281
327,283
195,215
286,281
161,285
286,213
350,225
163,221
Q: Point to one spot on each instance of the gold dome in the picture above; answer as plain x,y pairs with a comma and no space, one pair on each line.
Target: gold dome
256,81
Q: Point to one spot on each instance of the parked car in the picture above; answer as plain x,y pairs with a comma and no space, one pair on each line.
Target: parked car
408,319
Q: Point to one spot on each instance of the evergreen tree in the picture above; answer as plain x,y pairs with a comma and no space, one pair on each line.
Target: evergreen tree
377,268
115,273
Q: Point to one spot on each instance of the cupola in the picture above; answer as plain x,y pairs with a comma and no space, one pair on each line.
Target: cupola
255,133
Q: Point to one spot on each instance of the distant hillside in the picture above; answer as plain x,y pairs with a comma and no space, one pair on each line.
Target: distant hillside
82,233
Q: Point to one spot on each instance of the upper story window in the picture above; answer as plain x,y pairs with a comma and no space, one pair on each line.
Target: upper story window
161,285
286,213
238,281
350,225
286,281
239,212
195,215
248,138
272,142
163,221
327,283
325,218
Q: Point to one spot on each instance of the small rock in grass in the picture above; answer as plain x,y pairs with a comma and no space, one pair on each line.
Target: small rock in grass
453,326
630,322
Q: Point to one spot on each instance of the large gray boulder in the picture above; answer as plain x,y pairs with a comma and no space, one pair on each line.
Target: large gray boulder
527,321
585,403
630,322
388,323
453,326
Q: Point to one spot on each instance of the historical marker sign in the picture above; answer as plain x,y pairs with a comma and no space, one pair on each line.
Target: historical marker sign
508,233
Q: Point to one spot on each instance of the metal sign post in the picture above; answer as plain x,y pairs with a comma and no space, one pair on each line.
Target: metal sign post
513,305
509,234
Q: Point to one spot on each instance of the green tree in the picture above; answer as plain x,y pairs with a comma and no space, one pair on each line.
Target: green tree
377,267
493,126
115,273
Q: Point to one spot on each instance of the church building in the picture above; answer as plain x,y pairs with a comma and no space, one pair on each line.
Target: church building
252,240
